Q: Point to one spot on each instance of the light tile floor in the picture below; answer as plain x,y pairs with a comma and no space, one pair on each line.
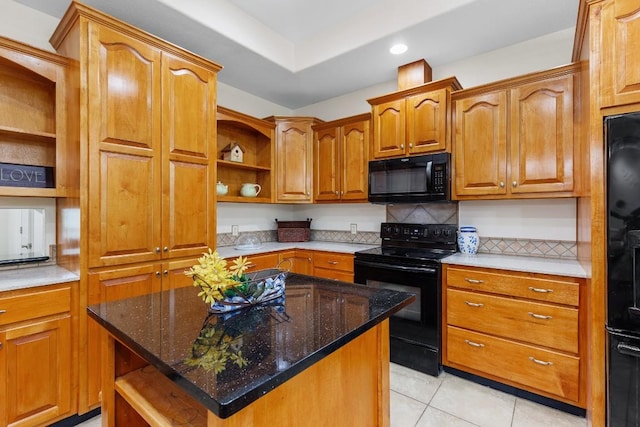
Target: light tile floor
420,400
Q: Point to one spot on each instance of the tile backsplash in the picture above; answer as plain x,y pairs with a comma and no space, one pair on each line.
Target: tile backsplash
431,213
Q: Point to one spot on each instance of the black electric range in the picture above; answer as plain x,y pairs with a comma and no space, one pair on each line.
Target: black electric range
409,260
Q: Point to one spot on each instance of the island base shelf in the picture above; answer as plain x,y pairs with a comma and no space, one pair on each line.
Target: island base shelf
158,400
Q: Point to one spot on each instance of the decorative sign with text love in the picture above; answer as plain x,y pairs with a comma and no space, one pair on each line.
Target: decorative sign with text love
26,176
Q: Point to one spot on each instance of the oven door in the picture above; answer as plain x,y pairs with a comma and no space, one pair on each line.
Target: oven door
414,330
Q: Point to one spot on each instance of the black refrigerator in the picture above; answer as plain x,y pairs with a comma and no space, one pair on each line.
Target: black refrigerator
622,134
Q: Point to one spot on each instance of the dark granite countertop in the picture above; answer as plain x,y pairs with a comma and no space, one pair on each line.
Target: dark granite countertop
228,361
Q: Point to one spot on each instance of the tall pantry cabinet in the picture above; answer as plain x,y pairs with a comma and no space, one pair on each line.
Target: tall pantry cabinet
147,131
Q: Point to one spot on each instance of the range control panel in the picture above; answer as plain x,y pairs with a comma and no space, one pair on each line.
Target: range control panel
437,233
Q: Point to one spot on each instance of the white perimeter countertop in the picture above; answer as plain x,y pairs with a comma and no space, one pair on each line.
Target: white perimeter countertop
29,277
560,267
316,245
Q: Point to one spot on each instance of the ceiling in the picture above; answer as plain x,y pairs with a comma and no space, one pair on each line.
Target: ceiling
299,52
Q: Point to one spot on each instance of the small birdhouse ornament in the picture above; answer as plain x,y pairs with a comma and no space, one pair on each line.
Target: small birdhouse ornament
233,152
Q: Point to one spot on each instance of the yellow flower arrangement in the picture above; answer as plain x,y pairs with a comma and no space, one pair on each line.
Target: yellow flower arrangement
215,280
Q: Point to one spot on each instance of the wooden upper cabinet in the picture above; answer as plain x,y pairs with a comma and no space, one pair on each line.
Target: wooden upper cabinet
427,118
294,159
519,137
189,152
620,52
152,139
124,107
326,164
542,136
389,129
413,121
341,158
480,144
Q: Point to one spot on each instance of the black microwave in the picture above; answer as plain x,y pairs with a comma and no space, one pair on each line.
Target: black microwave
414,179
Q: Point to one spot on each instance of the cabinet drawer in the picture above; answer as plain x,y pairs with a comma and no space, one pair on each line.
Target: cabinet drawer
259,262
525,285
334,261
540,324
527,365
333,274
30,305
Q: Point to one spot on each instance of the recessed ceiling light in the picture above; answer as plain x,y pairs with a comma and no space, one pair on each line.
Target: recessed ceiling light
399,48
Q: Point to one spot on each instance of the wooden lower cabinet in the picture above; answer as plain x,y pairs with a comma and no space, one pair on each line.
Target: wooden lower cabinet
297,261
521,329
333,265
36,373
115,284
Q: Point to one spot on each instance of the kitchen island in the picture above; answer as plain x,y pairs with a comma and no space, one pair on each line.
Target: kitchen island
319,355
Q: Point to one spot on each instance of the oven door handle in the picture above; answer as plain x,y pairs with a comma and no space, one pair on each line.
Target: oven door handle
397,267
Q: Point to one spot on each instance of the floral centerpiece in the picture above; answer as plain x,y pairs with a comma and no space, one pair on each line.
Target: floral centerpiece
231,288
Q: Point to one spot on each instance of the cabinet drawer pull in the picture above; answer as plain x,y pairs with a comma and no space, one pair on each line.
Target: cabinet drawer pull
474,281
3,311
0,345
332,262
474,344
540,316
473,304
540,290
540,362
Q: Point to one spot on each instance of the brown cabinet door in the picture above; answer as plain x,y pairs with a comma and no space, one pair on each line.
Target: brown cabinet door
297,261
327,164
188,141
294,160
124,149
35,371
541,142
427,121
109,286
481,145
354,166
620,65
389,129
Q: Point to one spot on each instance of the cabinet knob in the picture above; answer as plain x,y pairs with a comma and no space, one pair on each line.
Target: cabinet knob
411,145
166,249
157,274
166,273
501,184
402,146
308,194
0,345
336,192
158,250
514,183
3,311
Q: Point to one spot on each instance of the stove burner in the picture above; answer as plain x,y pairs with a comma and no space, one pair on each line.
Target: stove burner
413,243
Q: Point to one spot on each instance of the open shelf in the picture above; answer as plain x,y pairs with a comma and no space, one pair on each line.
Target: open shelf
26,135
158,400
255,137
237,165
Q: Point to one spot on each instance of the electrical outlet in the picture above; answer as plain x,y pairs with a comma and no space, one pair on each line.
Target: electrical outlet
354,228
234,230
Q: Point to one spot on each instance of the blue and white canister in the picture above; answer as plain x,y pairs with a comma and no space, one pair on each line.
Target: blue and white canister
468,240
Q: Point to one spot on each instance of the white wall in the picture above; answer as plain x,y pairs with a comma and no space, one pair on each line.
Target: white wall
339,217
27,25
545,219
